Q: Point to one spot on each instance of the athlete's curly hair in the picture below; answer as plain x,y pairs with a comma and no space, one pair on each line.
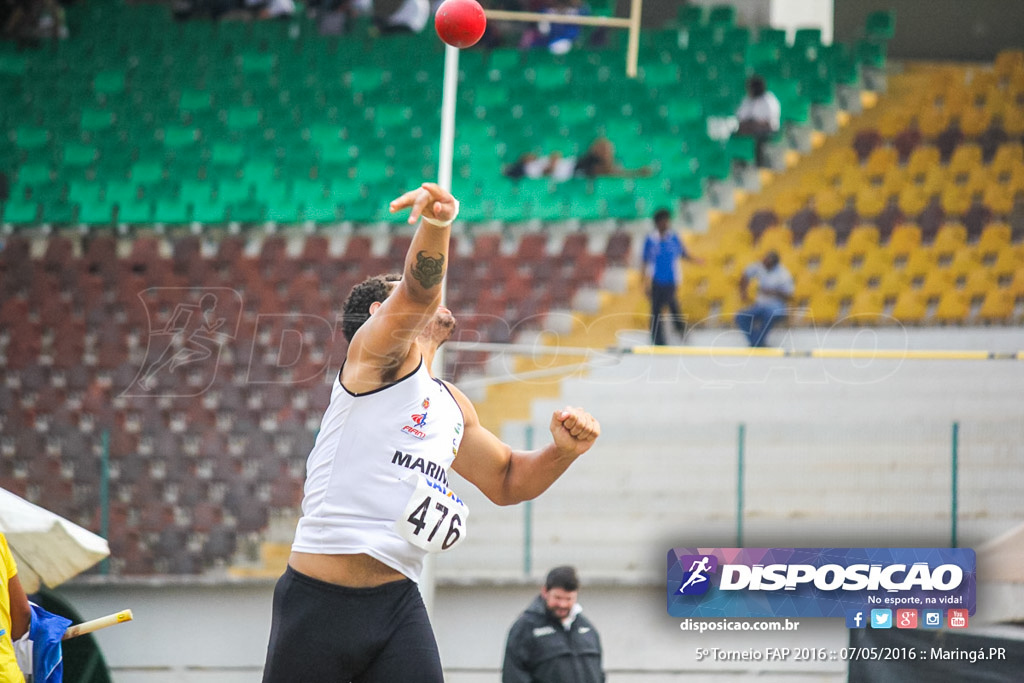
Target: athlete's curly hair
357,305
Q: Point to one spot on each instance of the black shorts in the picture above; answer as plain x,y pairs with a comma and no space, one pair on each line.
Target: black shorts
325,633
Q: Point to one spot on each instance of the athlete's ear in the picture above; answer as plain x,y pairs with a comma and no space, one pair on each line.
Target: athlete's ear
374,306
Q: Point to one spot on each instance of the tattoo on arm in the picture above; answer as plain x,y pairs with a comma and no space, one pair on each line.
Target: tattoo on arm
428,270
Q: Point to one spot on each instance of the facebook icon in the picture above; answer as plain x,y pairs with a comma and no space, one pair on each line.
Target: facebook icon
855,618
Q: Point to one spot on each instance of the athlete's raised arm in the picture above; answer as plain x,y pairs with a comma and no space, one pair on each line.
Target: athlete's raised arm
380,350
507,476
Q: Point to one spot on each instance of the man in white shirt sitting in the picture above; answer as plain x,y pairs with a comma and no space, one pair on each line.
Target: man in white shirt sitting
759,114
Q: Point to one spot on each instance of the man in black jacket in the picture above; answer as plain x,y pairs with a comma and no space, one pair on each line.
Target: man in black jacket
552,642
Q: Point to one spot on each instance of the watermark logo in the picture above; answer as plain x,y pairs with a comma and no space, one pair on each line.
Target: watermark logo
856,584
188,329
696,581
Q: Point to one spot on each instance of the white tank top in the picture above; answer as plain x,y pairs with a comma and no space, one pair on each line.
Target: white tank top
377,459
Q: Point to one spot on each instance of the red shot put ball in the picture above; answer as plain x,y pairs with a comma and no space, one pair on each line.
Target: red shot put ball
460,23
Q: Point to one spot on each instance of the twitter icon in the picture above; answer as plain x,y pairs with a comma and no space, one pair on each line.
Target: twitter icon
881,618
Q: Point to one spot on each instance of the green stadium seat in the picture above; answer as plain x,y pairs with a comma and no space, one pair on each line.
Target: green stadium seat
145,172
31,137
321,210
137,212
20,211
32,173
95,212
242,118
109,82
880,25
722,15
690,15
209,211
249,211
96,119
172,211
503,60
77,155
58,213
121,191
80,191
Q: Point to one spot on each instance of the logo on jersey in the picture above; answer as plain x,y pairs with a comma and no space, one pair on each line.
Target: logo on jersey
419,422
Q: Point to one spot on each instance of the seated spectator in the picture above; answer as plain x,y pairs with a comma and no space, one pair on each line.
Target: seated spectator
532,165
410,17
557,37
774,290
599,160
759,115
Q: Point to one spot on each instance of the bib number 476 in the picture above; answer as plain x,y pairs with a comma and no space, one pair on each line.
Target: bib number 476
440,511
434,519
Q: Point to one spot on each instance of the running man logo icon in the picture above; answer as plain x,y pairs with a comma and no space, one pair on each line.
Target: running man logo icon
696,581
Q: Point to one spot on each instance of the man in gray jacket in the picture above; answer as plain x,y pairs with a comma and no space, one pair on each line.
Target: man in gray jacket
552,642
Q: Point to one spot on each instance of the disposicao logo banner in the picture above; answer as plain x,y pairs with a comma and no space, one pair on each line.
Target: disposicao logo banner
817,582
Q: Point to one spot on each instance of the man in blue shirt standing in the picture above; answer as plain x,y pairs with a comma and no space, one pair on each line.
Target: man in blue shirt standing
662,274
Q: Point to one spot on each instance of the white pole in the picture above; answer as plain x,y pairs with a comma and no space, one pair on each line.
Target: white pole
633,46
446,154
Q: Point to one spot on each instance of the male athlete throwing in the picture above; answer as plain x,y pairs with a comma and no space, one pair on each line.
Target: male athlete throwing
376,494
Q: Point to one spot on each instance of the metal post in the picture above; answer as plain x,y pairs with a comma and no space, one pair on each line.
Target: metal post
955,448
105,493
528,517
741,438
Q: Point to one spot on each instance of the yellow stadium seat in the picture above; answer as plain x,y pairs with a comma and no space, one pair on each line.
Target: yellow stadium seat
828,202
1008,156
867,307
954,307
904,239
847,284
922,159
870,202
1005,264
789,202
1016,285
892,283
881,160
823,308
977,283
918,264
937,281
999,197
997,306
894,121
806,285
950,238
851,180
863,238
833,263
994,237
1013,119
1008,63
839,161
819,239
956,199
965,261
933,121
966,157
975,120
874,265
910,307
778,238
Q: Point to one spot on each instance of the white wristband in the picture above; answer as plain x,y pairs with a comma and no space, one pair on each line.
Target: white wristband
443,224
